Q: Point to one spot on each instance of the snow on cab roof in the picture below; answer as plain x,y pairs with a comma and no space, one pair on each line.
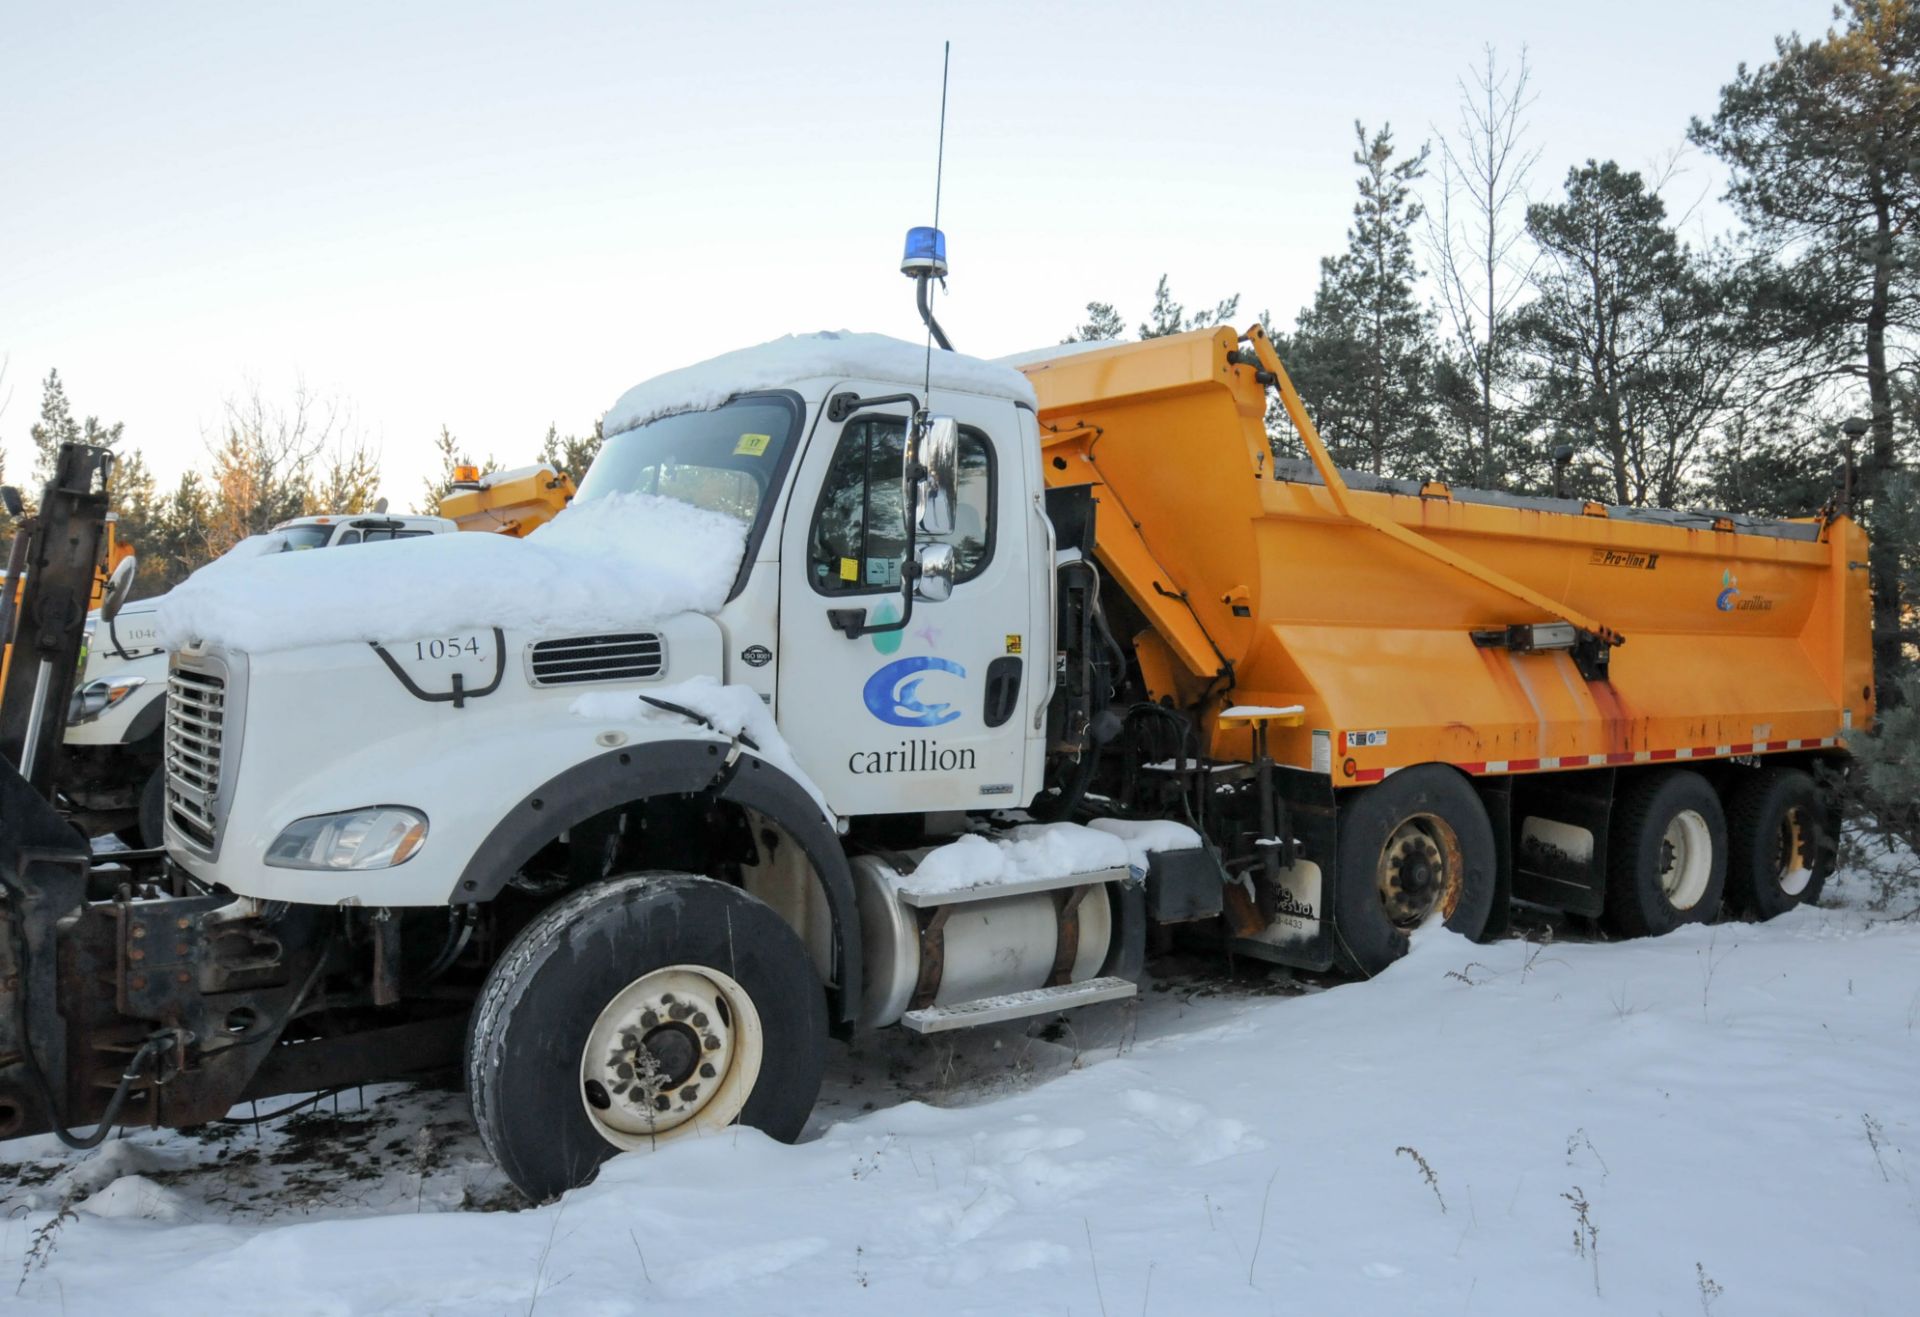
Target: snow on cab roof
831,354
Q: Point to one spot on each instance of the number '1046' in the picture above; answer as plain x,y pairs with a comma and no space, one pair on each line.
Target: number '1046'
451,647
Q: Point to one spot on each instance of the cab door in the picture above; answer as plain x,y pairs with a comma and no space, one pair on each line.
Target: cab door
930,715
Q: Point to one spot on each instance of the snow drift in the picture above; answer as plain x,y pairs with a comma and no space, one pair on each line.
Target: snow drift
623,560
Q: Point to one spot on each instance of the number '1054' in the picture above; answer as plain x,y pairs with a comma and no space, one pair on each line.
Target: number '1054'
451,647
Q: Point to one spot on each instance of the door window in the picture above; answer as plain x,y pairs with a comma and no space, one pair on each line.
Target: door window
859,537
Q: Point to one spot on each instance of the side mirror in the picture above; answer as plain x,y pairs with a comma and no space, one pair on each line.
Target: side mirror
10,500
933,453
119,585
934,581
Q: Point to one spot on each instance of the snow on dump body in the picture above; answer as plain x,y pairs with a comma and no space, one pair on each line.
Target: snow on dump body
624,560
830,354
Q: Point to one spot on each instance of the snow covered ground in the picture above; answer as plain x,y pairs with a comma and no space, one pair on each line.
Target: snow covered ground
1724,1121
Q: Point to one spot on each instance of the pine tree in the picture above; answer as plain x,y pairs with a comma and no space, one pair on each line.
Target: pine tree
1362,354
1170,317
572,454
438,487
349,480
1822,143
1102,323
57,426
1629,355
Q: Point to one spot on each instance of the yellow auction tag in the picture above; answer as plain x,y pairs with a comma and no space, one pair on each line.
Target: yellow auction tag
849,569
752,445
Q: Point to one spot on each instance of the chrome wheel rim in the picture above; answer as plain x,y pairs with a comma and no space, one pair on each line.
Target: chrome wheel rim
675,1052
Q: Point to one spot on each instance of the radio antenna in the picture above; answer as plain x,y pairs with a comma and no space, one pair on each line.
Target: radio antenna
939,172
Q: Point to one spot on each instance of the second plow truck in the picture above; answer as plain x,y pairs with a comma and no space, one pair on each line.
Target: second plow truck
874,687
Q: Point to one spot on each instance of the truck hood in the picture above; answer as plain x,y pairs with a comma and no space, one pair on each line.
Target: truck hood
612,563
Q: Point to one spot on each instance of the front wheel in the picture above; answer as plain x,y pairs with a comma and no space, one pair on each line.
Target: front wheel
636,1012
1416,847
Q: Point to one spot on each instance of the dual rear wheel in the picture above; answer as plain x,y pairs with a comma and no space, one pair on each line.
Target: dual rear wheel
1419,846
1677,854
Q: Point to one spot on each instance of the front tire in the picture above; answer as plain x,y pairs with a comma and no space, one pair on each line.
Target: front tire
153,810
1417,845
637,1012
1666,856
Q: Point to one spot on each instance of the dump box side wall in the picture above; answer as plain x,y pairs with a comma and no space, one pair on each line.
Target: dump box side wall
1737,642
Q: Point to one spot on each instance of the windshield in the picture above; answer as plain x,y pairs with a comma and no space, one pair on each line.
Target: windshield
726,460
304,537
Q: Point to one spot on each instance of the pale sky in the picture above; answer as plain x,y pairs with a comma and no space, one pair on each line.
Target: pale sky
500,216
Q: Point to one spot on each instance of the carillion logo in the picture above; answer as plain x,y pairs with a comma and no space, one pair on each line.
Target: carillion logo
1731,600
1727,592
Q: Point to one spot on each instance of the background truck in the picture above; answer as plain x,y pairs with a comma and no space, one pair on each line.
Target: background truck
111,778
999,670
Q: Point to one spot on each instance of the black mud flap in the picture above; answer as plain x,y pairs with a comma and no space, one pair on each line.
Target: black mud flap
1300,932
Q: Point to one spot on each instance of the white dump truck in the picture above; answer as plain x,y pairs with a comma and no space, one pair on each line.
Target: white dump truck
868,685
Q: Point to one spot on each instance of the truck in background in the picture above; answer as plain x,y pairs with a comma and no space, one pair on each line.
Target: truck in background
111,779
1301,710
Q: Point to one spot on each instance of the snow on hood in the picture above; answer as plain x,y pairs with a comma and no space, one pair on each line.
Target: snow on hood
621,561
833,354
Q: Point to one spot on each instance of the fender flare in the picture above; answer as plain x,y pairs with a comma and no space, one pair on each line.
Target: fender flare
673,768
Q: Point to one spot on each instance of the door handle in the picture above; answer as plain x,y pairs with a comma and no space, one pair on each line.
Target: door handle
1003,690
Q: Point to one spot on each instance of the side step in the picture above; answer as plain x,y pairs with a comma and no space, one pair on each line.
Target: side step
1014,1005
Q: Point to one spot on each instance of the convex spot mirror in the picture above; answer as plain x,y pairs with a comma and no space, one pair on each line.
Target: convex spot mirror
933,461
934,581
118,587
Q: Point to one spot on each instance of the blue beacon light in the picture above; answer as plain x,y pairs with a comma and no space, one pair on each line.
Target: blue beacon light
926,253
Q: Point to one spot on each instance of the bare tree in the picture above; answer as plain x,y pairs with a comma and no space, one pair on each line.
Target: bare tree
264,460
1475,232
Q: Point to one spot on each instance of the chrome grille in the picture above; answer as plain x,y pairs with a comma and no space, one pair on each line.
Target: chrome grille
630,656
196,718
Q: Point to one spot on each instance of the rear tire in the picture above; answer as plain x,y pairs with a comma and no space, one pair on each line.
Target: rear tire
728,1024
1778,851
1416,845
1666,855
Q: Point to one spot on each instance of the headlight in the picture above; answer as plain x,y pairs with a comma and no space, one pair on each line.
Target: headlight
96,697
377,837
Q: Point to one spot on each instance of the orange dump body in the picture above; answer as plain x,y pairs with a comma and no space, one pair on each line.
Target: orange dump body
1738,636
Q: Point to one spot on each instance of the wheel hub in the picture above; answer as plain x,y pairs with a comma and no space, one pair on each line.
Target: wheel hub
1686,859
1416,875
662,1053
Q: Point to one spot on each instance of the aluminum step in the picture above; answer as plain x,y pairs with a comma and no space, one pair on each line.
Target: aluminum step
1015,1005
926,899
